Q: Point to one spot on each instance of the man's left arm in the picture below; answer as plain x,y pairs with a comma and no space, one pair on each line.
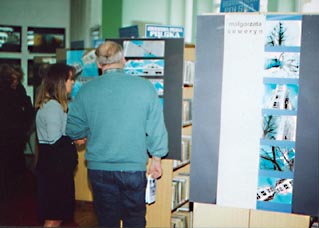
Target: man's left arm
157,138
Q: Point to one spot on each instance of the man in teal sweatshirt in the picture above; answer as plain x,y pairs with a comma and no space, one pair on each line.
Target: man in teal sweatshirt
122,119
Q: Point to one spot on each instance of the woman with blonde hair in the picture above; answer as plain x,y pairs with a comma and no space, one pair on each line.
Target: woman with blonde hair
57,157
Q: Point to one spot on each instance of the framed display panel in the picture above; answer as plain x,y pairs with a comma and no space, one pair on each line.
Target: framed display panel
161,61
10,38
36,70
255,138
83,60
37,67
10,61
45,40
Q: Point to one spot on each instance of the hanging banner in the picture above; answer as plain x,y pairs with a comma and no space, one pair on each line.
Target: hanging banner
239,6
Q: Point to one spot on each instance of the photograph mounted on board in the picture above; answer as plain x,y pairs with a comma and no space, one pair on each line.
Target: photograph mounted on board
10,38
37,68
281,96
45,40
279,127
145,67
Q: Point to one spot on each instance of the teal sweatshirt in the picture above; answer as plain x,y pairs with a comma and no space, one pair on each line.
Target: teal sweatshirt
122,118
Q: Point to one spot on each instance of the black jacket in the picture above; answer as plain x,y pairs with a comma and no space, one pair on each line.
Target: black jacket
57,158
16,115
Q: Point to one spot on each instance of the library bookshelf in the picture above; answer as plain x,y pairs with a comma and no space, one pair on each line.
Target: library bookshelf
165,212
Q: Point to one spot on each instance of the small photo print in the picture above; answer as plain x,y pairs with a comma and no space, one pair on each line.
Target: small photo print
275,190
283,33
158,85
281,96
45,40
10,38
144,48
279,127
145,67
282,64
277,158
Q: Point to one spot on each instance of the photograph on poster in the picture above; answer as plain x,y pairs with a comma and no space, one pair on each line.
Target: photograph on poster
85,65
83,61
144,48
45,40
275,190
277,158
158,85
10,38
283,32
279,127
282,64
281,96
145,67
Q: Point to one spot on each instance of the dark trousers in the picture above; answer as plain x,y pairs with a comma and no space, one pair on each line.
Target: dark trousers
12,168
119,196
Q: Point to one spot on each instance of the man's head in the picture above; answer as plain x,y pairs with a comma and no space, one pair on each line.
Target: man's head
109,55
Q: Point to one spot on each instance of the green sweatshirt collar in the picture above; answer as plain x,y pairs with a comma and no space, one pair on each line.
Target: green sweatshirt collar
114,70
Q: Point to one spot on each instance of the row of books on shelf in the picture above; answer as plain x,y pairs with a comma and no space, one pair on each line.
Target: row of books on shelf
180,189
187,112
189,72
181,219
185,153
186,147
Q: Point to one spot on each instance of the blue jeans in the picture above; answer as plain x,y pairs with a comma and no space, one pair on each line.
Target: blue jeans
119,195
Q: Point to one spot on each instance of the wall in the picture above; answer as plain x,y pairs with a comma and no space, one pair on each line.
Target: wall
85,15
183,12
165,12
41,13
111,18
36,13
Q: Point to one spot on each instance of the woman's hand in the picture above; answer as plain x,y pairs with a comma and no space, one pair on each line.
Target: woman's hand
80,142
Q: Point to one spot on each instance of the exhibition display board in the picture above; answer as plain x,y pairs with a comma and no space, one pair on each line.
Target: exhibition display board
158,60
255,131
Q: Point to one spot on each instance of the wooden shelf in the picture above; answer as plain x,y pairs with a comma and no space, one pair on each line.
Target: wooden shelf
180,205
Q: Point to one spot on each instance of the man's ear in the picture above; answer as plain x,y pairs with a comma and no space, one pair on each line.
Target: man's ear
123,61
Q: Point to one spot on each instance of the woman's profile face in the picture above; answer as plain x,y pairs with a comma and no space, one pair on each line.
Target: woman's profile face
69,83
15,81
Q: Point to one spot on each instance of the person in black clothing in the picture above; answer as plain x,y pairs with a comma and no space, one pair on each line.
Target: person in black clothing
16,119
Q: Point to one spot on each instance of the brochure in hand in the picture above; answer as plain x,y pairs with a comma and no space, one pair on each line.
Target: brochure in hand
150,194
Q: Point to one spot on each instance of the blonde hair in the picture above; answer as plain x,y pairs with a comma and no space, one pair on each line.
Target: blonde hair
53,85
108,53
